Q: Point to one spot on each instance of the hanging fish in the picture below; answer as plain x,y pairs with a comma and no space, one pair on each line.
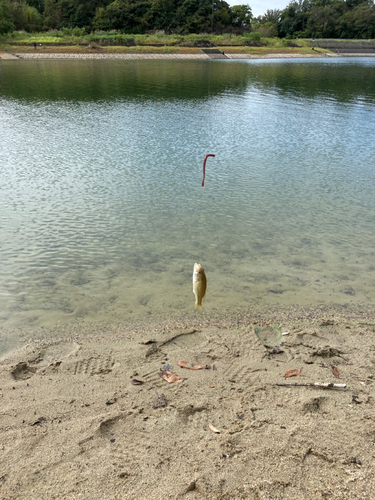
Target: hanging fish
199,285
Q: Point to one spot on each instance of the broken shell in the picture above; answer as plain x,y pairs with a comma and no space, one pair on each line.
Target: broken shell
213,429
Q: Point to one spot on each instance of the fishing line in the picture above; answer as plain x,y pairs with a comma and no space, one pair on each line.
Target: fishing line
204,167
195,290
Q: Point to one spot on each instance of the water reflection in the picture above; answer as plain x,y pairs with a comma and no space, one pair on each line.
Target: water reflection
343,80
112,80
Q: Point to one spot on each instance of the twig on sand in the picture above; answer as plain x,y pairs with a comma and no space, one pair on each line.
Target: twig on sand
315,384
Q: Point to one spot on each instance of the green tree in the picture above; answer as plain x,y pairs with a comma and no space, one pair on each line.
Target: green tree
322,22
101,20
24,16
194,16
38,4
16,14
271,16
52,15
358,22
6,23
268,30
130,16
294,18
33,19
163,15
241,15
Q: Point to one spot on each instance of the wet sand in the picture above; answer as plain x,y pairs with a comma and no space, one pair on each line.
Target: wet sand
74,426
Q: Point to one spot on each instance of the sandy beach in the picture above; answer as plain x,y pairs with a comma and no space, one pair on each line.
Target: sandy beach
90,416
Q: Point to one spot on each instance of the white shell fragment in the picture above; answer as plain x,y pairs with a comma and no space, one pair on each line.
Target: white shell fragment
285,333
213,429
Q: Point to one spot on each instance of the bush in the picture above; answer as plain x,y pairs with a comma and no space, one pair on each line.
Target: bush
268,30
255,36
78,32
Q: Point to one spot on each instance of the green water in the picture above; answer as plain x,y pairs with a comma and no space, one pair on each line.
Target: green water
102,213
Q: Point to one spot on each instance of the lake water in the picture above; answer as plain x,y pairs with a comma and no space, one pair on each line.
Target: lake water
101,205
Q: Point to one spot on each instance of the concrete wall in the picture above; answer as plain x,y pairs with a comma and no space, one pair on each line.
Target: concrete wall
342,45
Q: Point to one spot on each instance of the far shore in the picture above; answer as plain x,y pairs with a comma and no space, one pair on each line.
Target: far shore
112,55
48,52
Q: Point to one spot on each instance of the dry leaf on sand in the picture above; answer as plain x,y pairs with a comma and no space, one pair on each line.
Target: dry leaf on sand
335,371
213,429
292,373
169,377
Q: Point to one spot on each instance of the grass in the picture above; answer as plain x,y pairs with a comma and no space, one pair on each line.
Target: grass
65,41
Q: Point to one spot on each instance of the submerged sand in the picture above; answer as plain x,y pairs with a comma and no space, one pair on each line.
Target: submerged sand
73,425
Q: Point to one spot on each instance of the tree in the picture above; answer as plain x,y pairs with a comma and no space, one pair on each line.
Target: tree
52,15
358,22
267,30
322,22
38,4
221,15
294,18
241,15
6,23
33,19
101,19
194,16
271,16
163,15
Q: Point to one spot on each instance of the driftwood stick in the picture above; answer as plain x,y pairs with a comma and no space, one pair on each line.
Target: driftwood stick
315,384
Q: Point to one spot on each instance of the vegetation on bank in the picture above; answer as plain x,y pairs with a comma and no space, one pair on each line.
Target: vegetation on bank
191,44
67,37
61,41
348,19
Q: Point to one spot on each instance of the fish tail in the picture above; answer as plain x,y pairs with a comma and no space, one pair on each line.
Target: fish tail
198,307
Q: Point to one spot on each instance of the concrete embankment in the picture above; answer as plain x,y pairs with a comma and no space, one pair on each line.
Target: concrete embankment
114,56
346,47
5,55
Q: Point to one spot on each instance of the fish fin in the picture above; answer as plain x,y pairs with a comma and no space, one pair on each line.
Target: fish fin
198,307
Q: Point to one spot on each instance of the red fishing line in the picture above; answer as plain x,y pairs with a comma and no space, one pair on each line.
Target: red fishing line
204,167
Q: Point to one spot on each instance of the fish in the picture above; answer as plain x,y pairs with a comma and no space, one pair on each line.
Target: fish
199,285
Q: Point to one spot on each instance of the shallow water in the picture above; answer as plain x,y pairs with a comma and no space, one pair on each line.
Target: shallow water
101,205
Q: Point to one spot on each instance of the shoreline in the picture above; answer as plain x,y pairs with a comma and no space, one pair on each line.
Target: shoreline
49,333
171,56
147,56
